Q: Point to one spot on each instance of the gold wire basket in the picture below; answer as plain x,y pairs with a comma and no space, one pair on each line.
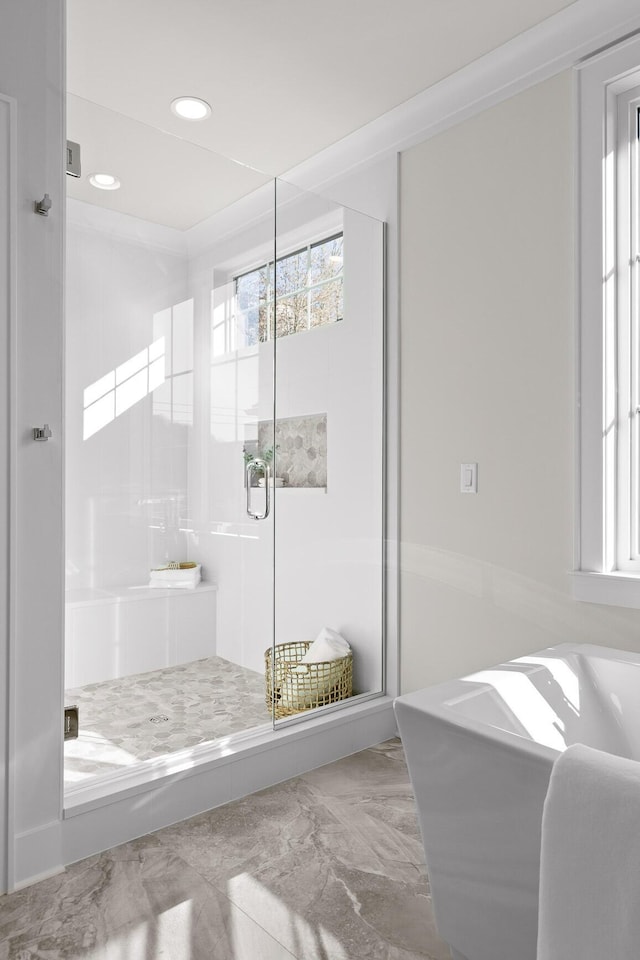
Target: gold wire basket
292,686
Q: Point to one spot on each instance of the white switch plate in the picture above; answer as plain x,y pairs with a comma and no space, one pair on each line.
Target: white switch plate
468,478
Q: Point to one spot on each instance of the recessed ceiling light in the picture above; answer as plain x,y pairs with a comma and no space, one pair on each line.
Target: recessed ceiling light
104,181
190,108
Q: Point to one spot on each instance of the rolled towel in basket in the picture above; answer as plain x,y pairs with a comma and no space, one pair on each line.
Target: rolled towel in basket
328,645
318,673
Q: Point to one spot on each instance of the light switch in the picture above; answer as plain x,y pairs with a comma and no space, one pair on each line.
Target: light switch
468,478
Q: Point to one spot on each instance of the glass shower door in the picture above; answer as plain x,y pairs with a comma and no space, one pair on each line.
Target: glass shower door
327,440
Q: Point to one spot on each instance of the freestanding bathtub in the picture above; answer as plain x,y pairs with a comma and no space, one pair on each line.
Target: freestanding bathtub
480,751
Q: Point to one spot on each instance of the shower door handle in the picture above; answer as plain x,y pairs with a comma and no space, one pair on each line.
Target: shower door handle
263,466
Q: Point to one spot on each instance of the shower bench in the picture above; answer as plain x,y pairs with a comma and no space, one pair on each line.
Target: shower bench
117,632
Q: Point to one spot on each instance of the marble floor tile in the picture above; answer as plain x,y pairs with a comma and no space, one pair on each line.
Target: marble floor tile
327,866
138,902
332,857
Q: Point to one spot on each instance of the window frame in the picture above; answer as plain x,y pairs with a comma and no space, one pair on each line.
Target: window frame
307,289
607,563
627,506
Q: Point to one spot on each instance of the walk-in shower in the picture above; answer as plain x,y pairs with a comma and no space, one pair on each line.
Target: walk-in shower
224,412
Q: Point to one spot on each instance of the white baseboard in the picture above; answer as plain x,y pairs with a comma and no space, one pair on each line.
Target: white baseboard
37,855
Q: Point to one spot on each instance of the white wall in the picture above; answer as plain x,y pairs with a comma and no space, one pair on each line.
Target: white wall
126,484
487,281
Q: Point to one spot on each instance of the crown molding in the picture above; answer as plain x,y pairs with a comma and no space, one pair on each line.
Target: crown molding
558,43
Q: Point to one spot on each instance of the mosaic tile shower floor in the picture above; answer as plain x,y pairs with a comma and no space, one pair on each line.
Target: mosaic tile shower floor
327,866
201,701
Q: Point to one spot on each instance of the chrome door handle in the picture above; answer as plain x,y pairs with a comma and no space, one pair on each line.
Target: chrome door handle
251,466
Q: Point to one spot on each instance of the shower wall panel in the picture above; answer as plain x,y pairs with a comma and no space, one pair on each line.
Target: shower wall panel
234,391
128,431
328,545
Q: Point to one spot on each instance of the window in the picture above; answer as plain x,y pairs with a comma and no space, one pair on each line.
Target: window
608,544
308,292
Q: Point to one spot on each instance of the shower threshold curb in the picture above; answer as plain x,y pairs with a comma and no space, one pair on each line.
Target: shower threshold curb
122,808
370,720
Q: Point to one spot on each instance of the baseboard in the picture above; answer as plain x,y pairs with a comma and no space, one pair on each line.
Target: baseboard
37,855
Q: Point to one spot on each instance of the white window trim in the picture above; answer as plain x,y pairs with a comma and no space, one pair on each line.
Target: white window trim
627,266
599,576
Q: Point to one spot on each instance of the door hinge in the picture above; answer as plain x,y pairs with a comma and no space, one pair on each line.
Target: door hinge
71,722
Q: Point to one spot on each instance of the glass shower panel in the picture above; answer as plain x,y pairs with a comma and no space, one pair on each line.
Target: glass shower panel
327,440
236,528
166,381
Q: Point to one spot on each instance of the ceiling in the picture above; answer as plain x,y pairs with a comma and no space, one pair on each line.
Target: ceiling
285,79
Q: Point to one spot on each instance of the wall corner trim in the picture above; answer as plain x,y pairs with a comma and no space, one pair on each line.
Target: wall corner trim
8,318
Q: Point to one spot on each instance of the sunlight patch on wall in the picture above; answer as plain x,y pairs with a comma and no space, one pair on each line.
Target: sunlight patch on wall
123,387
174,402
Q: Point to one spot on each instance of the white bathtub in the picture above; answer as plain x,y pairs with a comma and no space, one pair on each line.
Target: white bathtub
114,633
480,751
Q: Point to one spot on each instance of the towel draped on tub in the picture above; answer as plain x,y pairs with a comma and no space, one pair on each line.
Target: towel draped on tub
589,904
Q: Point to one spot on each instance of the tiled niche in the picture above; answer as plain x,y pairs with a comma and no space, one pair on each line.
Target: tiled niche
301,449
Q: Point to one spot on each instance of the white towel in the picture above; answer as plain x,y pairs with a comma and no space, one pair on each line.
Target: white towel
328,645
590,861
182,579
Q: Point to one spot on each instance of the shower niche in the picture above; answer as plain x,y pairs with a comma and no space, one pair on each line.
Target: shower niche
295,449
205,329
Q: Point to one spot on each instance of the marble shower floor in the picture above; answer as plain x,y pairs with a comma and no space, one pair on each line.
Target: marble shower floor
191,703
327,866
